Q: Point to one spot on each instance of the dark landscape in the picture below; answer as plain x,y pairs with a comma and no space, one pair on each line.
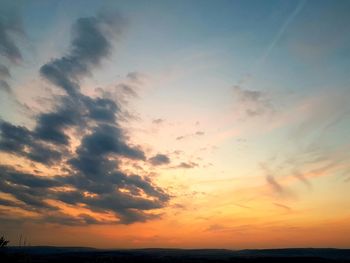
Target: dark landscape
77,254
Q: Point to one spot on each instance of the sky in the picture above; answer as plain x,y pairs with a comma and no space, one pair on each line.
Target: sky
187,124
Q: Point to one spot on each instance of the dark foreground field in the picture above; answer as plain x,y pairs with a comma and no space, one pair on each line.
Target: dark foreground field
87,255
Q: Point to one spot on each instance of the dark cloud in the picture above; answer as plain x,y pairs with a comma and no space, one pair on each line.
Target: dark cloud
13,138
101,109
108,139
20,141
30,198
90,44
26,179
91,171
159,159
51,126
10,29
10,26
65,219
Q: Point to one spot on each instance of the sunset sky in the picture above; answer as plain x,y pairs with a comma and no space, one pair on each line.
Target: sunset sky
189,124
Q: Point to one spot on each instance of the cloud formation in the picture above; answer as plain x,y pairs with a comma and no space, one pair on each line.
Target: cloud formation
251,103
90,177
10,29
158,121
159,159
274,184
90,44
197,133
186,165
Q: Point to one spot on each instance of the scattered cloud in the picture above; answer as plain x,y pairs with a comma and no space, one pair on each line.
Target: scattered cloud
274,184
251,103
197,133
186,165
301,177
159,159
158,121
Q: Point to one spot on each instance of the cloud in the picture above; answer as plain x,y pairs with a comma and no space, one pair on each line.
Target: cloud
20,141
135,76
4,72
108,139
159,159
5,86
90,44
26,179
251,103
91,176
129,87
28,189
10,29
158,121
186,165
10,26
301,177
278,188
274,184
51,126
197,133
65,219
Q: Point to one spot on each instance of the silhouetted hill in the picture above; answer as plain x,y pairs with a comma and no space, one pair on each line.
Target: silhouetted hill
45,254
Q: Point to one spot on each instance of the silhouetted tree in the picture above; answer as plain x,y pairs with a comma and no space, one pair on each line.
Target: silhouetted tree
3,242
